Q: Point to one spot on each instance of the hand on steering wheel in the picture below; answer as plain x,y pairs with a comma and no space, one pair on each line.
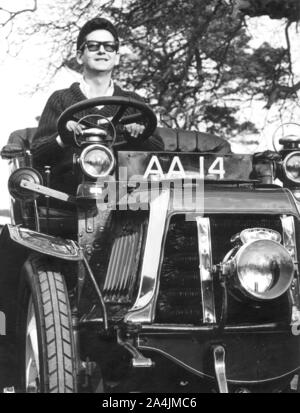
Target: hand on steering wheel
134,129
80,129
140,124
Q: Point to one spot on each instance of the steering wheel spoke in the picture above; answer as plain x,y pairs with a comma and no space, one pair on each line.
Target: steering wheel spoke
135,117
83,122
119,144
144,114
118,115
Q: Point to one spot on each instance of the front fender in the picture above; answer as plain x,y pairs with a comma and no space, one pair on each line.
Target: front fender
45,244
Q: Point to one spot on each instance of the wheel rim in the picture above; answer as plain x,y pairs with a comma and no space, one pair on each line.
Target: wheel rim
32,365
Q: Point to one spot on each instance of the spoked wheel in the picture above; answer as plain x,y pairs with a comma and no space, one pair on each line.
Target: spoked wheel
48,360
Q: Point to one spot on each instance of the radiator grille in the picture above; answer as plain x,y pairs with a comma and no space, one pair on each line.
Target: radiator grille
121,271
116,258
223,227
179,299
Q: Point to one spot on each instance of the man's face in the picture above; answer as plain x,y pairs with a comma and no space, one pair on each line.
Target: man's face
100,60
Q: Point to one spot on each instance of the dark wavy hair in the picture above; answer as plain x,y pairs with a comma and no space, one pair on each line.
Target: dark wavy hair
98,23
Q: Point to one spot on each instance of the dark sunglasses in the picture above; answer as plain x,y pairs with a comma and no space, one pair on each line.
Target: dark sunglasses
94,46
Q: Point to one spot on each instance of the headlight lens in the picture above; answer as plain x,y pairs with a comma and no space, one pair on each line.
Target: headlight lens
264,269
291,167
97,161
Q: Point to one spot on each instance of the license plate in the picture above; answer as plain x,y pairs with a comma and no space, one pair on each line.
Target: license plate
185,165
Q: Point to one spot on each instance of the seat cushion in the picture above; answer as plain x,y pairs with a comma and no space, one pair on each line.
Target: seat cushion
175,140
18,142
22,137
180,140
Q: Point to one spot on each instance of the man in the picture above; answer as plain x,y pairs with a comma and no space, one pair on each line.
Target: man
98,53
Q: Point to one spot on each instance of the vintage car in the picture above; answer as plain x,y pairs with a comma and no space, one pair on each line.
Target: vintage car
172,271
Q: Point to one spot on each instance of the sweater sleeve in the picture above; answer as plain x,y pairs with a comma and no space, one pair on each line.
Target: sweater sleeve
154,142
45,149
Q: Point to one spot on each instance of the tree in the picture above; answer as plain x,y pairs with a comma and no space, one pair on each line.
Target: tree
191,59
276,9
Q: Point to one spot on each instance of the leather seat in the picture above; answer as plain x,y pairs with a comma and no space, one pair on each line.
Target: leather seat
180,140
18,142
22,137
175,140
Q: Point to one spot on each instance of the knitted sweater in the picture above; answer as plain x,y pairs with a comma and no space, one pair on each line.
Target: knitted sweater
45,149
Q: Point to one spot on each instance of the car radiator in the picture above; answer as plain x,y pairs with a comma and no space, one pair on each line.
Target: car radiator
179,297
120,271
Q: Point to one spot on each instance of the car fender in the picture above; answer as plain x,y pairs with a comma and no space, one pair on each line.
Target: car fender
45,244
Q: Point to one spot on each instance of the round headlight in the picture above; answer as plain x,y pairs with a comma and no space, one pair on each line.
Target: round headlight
291,166
265,269
97,161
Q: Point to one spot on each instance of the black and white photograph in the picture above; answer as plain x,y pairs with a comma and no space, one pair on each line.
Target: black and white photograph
150,199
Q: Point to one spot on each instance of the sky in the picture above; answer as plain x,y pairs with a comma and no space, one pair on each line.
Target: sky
19,106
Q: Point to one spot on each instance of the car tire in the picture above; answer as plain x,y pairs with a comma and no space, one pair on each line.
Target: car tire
47,354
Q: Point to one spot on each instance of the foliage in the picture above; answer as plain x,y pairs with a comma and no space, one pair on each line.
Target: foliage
190,58
276,9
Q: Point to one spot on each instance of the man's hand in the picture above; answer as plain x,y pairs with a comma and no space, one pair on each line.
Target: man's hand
74,126
84,131
135,129
81,130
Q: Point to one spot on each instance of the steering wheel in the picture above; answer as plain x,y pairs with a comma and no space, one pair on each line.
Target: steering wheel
144,114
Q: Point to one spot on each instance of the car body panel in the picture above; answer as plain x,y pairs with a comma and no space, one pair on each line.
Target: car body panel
217,199
251,357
